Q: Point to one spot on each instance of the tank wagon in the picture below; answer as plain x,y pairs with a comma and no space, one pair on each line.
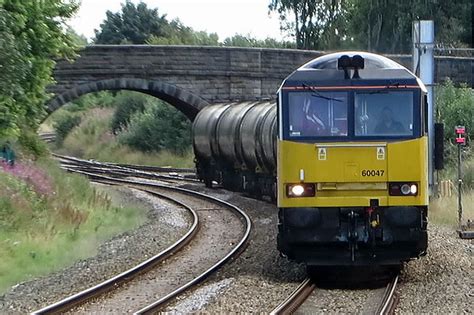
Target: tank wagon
344,152
235,146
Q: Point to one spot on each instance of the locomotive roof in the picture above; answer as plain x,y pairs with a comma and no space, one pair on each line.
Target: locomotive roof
324,70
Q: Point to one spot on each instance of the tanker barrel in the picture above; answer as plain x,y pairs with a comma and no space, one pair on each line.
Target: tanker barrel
250,132
229,133
266,151
204,131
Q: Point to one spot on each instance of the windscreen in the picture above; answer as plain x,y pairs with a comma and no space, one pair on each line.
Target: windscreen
383,113
317,114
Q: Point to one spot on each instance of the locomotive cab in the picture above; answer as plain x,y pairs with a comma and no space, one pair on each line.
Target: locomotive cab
352,162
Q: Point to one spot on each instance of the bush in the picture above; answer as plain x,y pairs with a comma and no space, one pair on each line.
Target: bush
63,124
454,106
127,104
99,99
159,127
32,144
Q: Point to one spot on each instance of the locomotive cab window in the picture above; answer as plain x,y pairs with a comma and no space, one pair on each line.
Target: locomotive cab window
317,114
383,113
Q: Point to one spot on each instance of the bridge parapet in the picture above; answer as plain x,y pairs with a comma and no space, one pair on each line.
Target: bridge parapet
213,74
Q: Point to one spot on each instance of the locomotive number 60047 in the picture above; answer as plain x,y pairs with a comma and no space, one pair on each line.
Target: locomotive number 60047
372,173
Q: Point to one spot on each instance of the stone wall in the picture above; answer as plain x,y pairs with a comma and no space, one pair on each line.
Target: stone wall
216,74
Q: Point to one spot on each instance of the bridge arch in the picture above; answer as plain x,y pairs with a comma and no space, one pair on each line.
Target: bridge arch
186,102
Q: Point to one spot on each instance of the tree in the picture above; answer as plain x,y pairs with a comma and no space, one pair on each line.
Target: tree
134,25
159,127
314,23
248,41
127,104
32,34
386,25
178,34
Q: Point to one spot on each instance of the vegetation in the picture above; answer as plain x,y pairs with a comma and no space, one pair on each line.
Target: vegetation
126,105
93,138
314,24
31,36
455,106
140,25
375,25
49,219
158,128
64,124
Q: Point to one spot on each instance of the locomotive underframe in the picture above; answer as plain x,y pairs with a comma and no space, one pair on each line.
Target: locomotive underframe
352,236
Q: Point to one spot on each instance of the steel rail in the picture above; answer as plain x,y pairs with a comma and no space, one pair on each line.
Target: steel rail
388,303
230,255
129,166
125,171
109,284
295,299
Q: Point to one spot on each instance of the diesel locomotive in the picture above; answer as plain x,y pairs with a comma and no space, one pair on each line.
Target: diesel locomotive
343,152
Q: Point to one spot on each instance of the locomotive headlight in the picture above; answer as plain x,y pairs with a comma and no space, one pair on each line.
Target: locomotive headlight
297,190
300,190
403,189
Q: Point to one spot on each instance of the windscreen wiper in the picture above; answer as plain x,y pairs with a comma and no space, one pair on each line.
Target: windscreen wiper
315,93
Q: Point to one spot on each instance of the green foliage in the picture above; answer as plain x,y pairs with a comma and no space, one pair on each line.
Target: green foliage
97,99
141,25
178,34
159,127
92,139
31,144
77,39
134,25
248,41
455,106
64,123
386,25
31,36
468,174
41,233
127,104
314,24
374,25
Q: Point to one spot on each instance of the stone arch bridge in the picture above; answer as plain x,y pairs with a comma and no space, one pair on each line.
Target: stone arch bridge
191,77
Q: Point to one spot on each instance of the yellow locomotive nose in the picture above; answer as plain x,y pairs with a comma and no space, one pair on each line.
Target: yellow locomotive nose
353,173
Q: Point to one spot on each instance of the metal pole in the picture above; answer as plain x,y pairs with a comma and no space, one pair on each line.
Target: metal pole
459,187
423,66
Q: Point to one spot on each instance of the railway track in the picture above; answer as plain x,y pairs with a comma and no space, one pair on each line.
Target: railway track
304,297
157,280
146,168
124,170
48,137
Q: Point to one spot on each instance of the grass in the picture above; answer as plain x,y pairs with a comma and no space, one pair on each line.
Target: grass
42,230
444,210
92,139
